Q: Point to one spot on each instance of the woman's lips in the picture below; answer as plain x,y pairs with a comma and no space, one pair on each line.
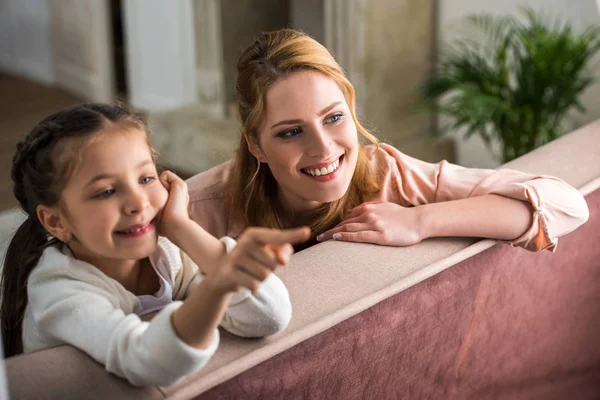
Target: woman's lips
325,173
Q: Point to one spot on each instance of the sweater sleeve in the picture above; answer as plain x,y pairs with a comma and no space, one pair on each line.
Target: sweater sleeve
265,312
558,208
87,316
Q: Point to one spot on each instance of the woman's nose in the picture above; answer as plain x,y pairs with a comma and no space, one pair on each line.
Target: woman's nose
320,143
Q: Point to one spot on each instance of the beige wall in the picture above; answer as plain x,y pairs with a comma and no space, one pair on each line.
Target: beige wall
242,21
399,44
580,13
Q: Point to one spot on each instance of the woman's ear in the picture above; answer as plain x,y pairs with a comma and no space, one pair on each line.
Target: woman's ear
54,222
253,147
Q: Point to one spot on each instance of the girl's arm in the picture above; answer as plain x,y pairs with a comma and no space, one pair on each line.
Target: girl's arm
259,251
176,225
253,311
74,303
198,318
71,302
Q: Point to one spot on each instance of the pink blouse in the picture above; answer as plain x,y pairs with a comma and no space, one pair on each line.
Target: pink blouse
558,207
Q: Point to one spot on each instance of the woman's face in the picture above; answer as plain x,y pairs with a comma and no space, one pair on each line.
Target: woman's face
309,140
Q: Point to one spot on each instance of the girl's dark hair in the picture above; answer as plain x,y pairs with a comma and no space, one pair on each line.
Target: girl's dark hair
39,172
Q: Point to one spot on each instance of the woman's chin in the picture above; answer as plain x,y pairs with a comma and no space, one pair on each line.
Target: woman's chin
329,197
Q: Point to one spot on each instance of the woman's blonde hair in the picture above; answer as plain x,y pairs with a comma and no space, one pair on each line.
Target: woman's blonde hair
270,57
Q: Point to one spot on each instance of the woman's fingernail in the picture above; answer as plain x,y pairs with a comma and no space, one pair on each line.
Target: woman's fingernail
320,237
336,236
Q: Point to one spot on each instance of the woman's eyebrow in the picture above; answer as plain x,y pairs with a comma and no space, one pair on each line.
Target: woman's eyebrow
300,121
329,108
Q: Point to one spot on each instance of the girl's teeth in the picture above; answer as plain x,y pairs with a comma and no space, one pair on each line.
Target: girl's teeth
134,230
330,168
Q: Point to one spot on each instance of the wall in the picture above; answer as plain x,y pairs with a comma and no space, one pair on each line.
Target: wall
580,13
399,46
242,21
308,15
25,47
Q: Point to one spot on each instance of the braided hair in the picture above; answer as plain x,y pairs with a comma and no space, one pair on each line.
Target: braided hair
39,172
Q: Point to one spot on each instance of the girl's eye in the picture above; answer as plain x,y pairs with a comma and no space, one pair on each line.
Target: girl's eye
146,180
335,118
106,194
289,133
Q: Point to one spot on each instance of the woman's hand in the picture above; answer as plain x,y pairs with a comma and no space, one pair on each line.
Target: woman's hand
259,252
380,223
175,213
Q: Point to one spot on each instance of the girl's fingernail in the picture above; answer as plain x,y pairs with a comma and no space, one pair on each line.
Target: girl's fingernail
320,237
336,236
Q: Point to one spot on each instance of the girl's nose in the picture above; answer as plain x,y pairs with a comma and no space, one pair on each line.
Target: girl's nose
136,202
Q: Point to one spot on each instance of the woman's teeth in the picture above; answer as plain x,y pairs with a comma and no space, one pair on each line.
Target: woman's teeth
324,170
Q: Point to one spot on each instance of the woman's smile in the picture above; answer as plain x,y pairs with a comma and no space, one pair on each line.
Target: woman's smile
324,172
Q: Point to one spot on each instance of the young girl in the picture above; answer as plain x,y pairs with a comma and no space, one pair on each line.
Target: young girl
88,264
302,160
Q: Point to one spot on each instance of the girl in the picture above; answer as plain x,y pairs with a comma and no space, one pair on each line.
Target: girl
300,161
88,264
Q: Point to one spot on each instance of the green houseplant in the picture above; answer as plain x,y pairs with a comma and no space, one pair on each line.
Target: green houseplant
517,83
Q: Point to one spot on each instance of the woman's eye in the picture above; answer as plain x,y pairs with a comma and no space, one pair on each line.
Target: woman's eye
105,194
335,118
289,133
146,180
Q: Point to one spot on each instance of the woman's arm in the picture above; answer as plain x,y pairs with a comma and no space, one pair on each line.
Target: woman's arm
450,200
489,216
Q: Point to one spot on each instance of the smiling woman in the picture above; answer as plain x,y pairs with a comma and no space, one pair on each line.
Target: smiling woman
301,153
305,159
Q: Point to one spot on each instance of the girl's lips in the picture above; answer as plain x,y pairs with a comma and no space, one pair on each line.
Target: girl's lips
136,230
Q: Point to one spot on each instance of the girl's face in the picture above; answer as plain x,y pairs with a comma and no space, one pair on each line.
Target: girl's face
111,202
309,140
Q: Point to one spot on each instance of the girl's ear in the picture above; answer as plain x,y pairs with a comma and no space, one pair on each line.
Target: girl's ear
54,222
253,147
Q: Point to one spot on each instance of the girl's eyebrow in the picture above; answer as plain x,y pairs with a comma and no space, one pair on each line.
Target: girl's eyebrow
108,176
300,121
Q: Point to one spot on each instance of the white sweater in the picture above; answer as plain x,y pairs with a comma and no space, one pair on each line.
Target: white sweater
72,302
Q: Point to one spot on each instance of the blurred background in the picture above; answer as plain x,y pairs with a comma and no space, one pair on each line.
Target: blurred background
175,60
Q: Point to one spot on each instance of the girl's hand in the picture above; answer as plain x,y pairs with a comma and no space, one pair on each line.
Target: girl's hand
259,252
175,212
380,223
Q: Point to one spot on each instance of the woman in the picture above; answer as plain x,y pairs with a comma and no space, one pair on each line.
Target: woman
301,161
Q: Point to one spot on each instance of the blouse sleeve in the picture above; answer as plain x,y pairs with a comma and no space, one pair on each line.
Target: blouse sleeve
558,208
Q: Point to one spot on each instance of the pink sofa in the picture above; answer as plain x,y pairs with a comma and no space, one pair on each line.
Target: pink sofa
448,318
